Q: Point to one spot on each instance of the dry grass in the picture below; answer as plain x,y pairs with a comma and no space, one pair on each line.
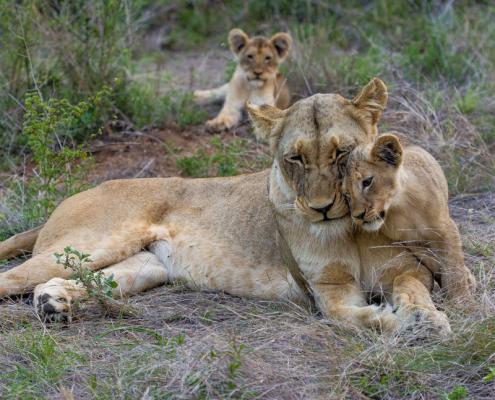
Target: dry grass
191,345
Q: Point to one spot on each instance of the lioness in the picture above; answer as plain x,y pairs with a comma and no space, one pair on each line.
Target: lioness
256,77
221,233
403,193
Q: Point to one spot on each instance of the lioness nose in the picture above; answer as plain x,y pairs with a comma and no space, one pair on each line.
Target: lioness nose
258,73
360,216
323,210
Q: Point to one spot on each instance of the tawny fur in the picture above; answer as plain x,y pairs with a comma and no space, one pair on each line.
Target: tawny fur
307,141
255,79
409,188
219,233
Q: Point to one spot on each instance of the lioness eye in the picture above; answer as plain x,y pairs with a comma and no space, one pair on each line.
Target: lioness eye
341,152
367,182
268,58
296,158
250,56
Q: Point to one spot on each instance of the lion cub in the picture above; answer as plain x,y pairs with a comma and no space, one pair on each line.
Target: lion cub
256,78
402,192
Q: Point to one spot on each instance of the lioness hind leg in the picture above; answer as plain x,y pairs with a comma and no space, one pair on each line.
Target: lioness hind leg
53,300
414,306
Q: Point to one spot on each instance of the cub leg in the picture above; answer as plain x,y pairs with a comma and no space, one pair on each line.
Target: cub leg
231,112
346,302
413,303
211,95
53,300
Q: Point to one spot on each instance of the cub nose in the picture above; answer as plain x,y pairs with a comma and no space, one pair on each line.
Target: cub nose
323,210
360,216
257,73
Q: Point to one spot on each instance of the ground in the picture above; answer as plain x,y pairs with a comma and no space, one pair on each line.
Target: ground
186,344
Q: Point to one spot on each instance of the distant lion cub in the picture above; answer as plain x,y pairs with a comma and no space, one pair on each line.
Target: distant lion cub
402,192
256,78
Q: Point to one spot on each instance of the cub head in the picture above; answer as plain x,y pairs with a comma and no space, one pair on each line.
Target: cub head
371,180
310,139
259,57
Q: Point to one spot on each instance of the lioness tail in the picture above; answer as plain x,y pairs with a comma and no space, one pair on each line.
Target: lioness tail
18,244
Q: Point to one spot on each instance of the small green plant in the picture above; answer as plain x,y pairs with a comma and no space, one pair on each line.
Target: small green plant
98,286
459,392
225,161
235,355
491,376
468,102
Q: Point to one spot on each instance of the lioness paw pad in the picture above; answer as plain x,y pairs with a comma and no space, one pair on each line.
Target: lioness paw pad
52,304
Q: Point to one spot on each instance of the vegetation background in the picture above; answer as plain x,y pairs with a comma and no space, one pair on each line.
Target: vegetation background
100,89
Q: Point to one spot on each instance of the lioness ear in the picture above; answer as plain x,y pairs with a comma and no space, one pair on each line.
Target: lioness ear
267,121
237,40
387,148
372,100
282,43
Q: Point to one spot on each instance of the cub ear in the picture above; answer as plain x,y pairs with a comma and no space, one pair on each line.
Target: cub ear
237,40
282,43
267,122
387,148
372,99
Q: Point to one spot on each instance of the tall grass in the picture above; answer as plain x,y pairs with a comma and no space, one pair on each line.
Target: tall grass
67,50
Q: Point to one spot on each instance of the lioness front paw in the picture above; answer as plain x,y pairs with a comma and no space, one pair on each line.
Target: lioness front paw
52,301
221,123
425,320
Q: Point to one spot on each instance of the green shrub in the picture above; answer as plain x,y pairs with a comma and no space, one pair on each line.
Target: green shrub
59,164
65,50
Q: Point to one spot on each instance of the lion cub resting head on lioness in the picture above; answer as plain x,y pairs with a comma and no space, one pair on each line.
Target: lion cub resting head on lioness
256,78
402,192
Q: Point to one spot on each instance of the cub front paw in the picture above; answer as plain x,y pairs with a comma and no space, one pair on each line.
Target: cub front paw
220,123
52,301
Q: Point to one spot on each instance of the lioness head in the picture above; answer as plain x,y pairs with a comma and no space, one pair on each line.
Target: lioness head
259,57
310,138
371,180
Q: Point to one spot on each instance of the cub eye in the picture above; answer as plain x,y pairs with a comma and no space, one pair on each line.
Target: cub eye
250,56
367,182
268,58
